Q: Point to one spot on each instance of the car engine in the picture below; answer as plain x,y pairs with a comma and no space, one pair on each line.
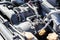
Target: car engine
29,20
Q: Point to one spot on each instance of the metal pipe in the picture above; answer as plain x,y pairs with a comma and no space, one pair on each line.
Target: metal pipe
33,8
55,16
5,32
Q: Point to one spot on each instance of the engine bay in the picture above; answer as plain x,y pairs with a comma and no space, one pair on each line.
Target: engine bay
30,19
